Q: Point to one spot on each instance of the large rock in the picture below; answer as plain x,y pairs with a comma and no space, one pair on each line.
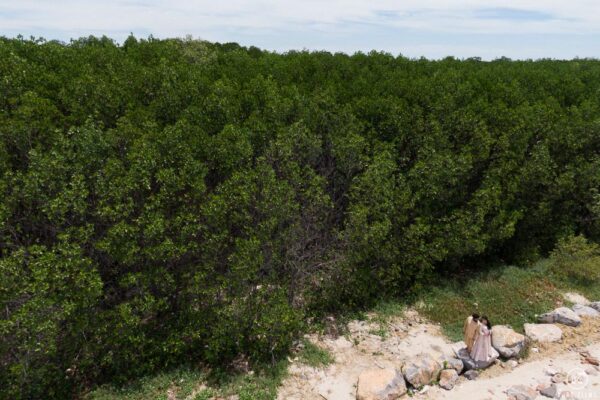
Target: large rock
550,391
460,349
521,392
448,378
585,311
543,333
595,305
421,371
448,362
380,384
576,298
561,315
508,342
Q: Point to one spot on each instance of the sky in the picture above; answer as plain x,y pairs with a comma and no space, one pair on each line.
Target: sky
519,29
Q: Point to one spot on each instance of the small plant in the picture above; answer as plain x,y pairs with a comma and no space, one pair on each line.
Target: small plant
314,356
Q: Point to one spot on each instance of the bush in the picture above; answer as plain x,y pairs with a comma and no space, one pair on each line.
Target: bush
576,258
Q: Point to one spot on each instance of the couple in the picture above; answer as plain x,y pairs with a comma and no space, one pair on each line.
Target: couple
478,337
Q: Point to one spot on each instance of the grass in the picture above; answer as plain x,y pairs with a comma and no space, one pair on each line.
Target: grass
182,382
188,384
314,356
509,296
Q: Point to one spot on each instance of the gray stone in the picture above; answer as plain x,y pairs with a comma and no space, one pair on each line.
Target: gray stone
550,391
452,363
471,375
508,342
469,363
421,371
561,315
380,384
595,305
585,311
543,333
448,379
521,392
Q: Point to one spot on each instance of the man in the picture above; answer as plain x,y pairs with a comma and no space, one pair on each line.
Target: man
470,330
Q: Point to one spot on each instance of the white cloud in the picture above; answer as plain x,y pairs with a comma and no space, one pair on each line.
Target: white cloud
287,20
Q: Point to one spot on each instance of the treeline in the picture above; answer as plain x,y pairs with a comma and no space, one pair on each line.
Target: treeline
172,200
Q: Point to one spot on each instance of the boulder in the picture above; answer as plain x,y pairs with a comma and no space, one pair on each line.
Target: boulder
521,392
452,363
471,375
421,371
550,391
543,333
508,342
380,384
468,362
448,379
561,315
585,311
576,298
595,305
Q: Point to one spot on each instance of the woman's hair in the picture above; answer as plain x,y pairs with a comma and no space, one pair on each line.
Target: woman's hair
487,321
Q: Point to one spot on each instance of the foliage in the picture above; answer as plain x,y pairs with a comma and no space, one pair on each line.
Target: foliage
168,201
577,259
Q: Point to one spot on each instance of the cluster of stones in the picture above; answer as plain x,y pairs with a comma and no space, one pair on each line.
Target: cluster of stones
424,370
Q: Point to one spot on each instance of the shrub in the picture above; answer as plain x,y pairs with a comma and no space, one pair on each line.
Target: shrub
576,258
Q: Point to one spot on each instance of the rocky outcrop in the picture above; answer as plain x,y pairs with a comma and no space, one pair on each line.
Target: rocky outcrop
585,311
448,379
543,333
452,363
595,305
508,342
421,371
561,315
380,384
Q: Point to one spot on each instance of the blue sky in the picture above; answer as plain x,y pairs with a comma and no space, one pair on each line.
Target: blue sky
430,28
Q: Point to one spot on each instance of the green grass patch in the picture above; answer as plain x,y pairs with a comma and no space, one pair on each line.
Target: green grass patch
508,296
314,356
182,382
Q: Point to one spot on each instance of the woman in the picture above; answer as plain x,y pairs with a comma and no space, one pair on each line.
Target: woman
482,348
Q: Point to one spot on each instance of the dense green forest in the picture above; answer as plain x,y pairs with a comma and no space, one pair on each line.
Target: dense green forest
172,200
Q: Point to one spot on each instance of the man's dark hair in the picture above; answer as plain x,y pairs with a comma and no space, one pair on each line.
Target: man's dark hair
475,316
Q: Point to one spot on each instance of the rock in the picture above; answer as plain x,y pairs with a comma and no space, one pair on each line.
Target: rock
561,315
469,363
448,378
543,333
521,392
471,375
585,311
595,305
508,342
421,371
592,360
512,363
380,384
576,298
550,391
452,363
550,371
591,371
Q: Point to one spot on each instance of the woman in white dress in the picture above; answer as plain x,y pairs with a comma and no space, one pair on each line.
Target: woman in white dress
482,348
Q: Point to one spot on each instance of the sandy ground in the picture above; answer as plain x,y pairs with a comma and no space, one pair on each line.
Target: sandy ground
409,335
